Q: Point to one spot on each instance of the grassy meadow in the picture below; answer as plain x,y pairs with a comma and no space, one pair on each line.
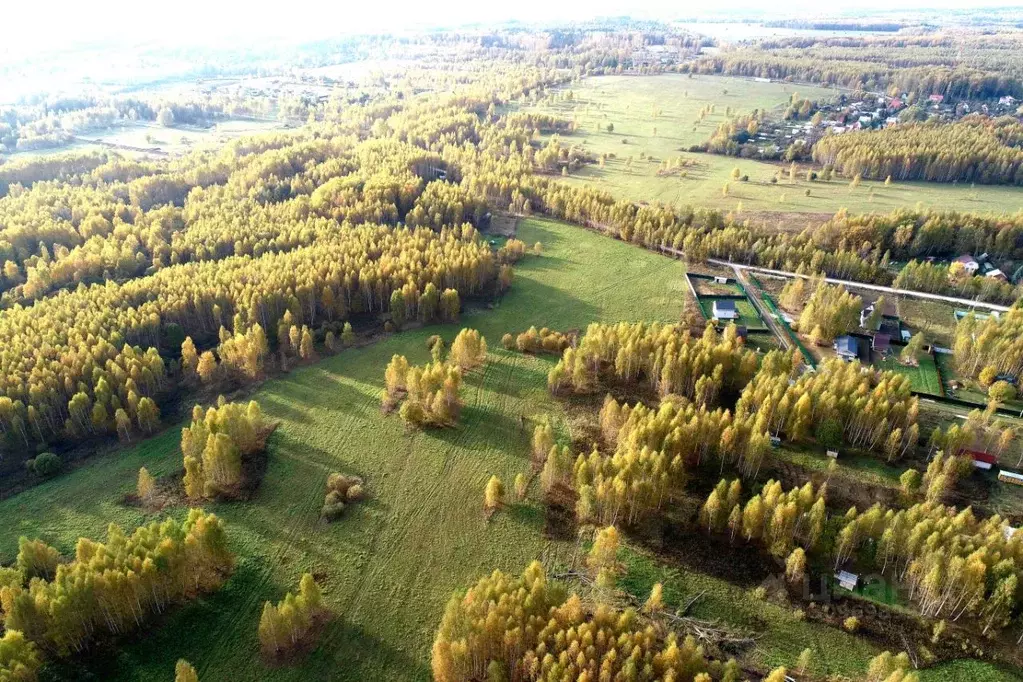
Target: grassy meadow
389,565
629,103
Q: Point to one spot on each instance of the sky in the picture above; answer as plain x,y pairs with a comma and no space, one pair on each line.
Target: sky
67,22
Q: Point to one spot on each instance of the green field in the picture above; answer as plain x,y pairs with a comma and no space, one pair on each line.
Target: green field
923,378
629,102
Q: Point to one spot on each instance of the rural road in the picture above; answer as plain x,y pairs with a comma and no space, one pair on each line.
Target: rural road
753,294
862,285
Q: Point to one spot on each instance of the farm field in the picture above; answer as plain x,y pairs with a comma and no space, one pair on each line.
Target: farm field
391,563
628,102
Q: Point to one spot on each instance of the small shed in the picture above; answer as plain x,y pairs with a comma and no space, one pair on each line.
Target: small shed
881,343
1010,477
725,309
718,279
833,454
847,580
847,347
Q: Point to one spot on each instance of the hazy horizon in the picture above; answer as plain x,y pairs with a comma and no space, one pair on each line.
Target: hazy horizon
191,22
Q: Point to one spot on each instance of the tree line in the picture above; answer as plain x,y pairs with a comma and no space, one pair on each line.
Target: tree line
974,149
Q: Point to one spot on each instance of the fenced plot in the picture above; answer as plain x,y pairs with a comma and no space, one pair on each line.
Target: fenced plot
923,378
748,316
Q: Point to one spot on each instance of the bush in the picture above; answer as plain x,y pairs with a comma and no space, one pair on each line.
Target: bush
332,512
508,341
45,465
851,624
341,490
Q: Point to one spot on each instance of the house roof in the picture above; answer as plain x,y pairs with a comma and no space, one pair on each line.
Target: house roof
979,456
882,341
996,273
966,259
724,304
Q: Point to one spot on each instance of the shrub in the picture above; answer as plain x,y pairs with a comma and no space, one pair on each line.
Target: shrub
851,624
341,490
508,341
45,465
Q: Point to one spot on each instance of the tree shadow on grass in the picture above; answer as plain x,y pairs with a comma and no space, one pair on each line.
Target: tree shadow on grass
276,407
529,515
349,652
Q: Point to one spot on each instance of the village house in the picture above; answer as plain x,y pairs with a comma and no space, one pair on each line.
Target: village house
969,263
725,310
866,313
847,348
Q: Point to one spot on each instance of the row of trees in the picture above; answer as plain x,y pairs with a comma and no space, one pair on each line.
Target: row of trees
954,564
113,588
215,444
538,341
954,280
664,357
976,67
990,343
429,395
827,311
49,383
839,403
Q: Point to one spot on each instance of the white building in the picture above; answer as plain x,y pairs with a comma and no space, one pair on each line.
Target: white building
725,309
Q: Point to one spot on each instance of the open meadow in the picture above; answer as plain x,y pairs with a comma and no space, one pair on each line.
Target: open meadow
629,104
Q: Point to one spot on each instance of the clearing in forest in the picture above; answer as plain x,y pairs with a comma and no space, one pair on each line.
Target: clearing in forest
671,103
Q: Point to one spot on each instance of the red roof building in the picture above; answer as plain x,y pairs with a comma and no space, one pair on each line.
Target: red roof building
982,460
